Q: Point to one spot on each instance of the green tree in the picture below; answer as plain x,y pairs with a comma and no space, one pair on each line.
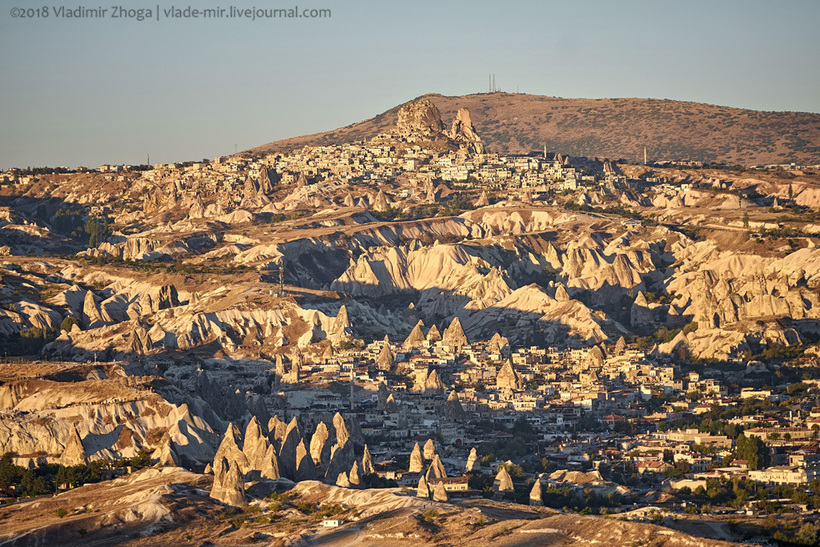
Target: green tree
753,450
9,473
808,534
92,228
67,323
741,497
33,483
513,469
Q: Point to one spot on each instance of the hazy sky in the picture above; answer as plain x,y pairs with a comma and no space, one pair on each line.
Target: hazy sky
93,91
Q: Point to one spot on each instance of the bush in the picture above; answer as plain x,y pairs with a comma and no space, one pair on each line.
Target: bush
326,511
691,327
307,508
228,513
61,512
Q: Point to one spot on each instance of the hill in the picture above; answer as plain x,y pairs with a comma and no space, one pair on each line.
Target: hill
170,506
612,128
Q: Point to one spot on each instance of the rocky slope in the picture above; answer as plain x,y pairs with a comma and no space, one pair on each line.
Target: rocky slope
197,272
73,414
170,507
612,128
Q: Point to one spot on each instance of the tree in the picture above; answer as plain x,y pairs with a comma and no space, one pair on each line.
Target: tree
741,497
9,473
97,230
33,483
808,534
753,450
92,228
66,476
523,428
513,469
67,323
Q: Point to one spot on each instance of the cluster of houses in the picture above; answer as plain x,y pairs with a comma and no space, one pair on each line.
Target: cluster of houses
381,159
583,405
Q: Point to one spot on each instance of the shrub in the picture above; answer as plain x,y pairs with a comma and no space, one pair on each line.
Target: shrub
306,508
228,513
61,512
429,515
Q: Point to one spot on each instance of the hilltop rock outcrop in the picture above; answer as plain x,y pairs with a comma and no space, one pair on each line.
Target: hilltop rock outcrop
420,118
464,134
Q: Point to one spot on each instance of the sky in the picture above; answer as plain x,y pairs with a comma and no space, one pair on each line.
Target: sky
89,91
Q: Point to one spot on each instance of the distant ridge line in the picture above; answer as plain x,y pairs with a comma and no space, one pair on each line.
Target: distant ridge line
610,128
